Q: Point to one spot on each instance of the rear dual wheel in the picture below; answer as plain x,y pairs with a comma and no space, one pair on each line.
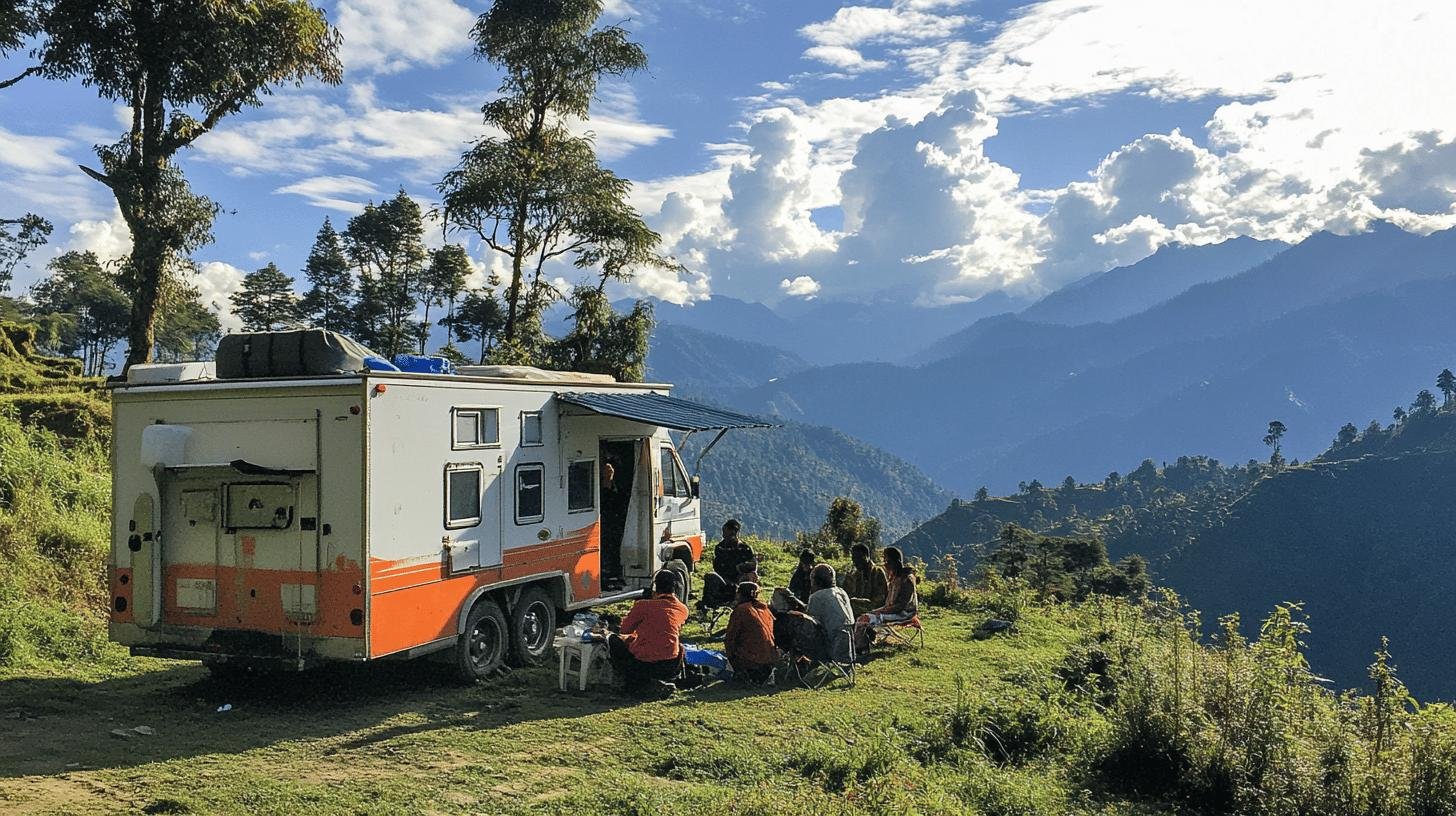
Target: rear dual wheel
533,627
482,646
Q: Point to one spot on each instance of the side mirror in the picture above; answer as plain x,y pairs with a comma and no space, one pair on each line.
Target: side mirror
697,486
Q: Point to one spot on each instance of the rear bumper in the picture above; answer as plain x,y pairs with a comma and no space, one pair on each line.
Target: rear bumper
260,662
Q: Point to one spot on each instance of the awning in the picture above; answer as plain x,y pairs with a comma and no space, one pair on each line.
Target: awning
668,412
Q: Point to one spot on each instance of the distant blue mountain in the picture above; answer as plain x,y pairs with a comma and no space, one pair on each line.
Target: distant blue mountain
1104,297
1313,336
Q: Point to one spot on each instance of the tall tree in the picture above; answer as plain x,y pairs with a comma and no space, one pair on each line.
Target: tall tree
179,68
1348,433
602,341
1272,439
537,193
18,238
86,308
442,283
386,243
1446,382
479,317
266,301
328,302
1425,401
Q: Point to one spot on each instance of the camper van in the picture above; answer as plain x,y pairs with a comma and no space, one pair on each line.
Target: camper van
284,521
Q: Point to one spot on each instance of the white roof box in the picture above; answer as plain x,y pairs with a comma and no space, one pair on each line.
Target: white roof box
531,374
171,372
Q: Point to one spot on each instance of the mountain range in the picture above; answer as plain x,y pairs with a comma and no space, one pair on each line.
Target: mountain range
1313,336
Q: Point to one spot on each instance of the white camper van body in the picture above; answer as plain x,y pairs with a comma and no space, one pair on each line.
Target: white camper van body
366,516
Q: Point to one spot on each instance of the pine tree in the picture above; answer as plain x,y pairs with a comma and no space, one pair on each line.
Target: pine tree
1272,439
266,302
328,302
1424,401
982,494
1446,382
1348,433
480,317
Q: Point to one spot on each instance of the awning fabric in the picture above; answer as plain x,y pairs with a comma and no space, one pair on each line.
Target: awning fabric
668,412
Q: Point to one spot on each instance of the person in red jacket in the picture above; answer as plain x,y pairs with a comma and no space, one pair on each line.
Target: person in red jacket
749,640
647,647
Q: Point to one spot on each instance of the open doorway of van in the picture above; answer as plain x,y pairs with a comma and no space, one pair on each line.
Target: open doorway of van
619,464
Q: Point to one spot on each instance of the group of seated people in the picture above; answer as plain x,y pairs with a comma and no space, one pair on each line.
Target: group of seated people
814,617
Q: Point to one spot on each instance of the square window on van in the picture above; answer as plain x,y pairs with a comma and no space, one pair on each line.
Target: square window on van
531,428
462,495
581,486
475,428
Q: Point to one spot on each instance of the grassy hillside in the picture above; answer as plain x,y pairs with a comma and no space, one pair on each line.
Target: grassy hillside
1109,708
54,513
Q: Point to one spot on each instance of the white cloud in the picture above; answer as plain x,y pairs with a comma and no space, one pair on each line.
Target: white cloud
109,238
216,281
388,36
844,58
771,195
802,286
34,154
903,22
343,193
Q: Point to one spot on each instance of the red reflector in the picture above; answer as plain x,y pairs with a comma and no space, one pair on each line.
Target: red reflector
380,388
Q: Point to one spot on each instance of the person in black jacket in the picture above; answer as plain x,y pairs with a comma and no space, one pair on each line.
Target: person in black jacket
799,582
729,558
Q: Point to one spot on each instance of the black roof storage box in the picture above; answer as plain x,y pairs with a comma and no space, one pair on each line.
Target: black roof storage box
301,353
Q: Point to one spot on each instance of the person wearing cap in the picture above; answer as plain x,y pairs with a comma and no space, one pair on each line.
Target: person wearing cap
829,607
729,557
647,647
799,581
749,640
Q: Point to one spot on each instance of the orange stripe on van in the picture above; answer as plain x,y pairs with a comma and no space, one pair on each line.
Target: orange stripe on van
414,603
252,599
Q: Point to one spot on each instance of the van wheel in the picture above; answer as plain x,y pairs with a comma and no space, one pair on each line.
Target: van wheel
533,628
482,647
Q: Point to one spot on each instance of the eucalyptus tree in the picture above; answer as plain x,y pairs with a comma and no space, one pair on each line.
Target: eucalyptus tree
536,192
179,67
442,285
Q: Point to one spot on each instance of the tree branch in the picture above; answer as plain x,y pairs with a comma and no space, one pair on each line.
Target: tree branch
31,71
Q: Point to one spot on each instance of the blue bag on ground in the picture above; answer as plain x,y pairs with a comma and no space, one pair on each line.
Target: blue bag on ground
711,659
419,364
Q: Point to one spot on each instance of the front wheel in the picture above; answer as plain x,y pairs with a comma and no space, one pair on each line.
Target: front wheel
533,628
482,646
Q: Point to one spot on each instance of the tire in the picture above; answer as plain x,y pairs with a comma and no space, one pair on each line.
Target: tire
483,644
533,628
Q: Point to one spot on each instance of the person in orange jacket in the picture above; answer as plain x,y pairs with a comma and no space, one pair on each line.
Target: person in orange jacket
647,647
749,640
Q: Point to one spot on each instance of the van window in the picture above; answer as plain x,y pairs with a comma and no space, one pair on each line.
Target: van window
530,495
475,427
531,428
462,495
674,481
581,486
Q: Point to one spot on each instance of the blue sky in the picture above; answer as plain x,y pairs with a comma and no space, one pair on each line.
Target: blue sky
927,150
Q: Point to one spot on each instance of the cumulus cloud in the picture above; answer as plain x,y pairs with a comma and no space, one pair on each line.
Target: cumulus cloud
844,58
108,237
903,22
802,286
388,36
216,282
770,196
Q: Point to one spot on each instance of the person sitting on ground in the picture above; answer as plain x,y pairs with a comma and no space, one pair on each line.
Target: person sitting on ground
901,604
749,641
865,584
728,559
648,648
799,581
681,564
829,606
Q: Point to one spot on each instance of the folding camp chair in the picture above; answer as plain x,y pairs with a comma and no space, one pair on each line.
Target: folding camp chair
901,633
818,671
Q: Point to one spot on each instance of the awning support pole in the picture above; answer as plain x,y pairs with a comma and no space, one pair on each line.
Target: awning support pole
698,465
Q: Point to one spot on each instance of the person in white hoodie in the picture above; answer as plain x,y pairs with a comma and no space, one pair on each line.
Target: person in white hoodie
829,606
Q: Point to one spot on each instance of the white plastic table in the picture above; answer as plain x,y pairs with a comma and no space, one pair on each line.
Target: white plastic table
577,659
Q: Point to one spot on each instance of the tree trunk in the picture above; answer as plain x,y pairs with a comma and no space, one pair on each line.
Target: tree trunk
148,260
